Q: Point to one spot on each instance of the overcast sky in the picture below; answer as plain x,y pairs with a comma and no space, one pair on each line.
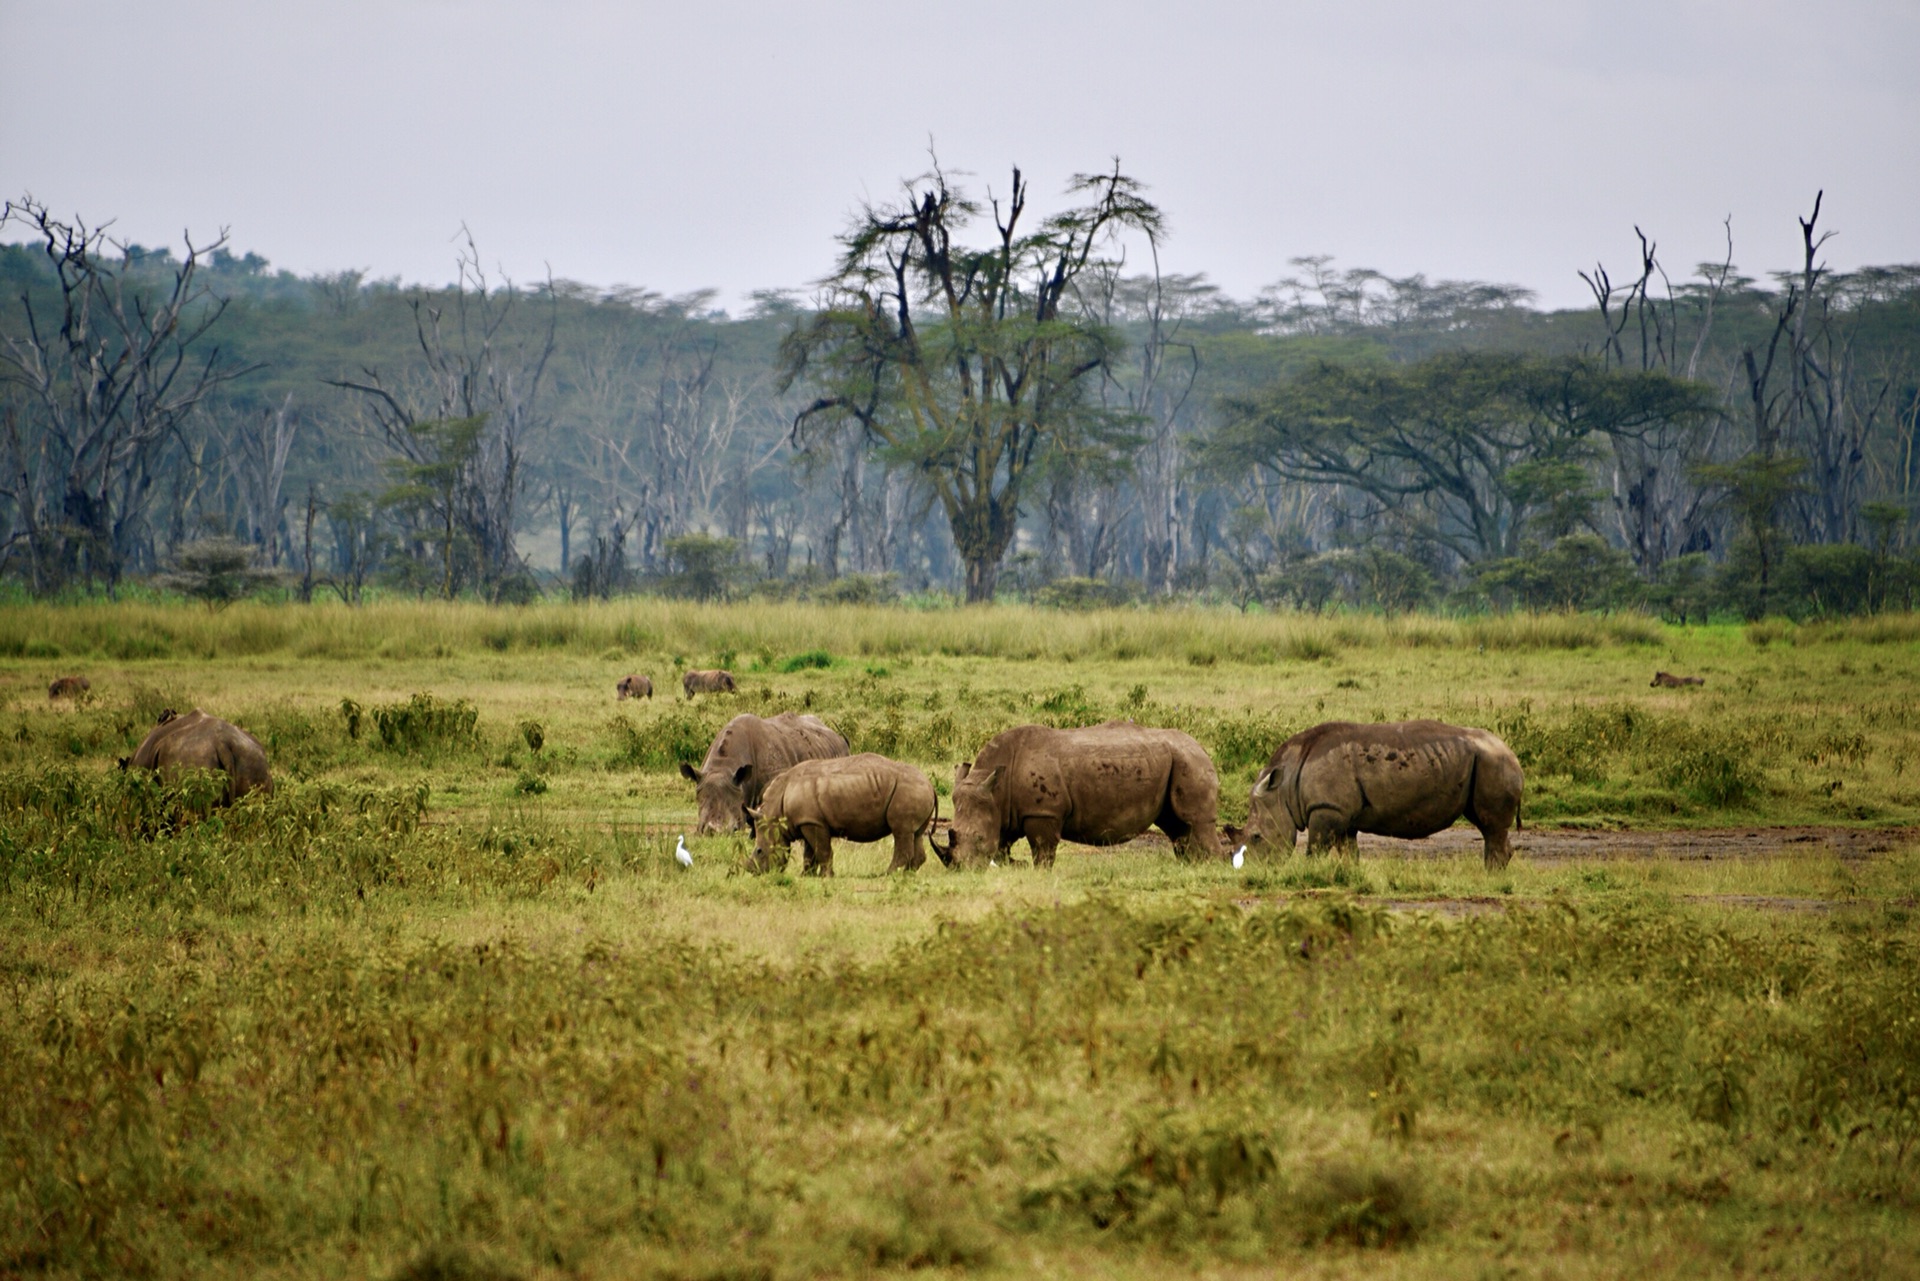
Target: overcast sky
724,144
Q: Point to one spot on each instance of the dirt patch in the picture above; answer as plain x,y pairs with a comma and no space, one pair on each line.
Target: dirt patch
1548,845
1481,905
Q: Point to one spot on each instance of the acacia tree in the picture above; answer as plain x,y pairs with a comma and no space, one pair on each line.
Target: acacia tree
110,360
1474,451
963,363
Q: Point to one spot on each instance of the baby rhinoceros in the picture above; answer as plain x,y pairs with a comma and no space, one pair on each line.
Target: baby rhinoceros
858,798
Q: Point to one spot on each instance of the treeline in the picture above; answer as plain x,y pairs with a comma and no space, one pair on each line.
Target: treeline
1027,415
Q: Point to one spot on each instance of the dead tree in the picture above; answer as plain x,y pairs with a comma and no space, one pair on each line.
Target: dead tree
473,364
1834,407
113,356
257,447
1659,509
1154,392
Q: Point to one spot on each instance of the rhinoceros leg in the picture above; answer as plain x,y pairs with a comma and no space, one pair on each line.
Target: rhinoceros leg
1492,804
1496,852
1043,838
908,854
1327,833
1195,842
819,851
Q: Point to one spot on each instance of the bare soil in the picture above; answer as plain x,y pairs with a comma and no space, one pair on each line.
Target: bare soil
1549,845
1560,844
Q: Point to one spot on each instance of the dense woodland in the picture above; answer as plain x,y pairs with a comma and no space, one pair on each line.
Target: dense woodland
976,400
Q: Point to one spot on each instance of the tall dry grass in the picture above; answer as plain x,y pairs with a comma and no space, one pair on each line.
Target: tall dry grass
719,632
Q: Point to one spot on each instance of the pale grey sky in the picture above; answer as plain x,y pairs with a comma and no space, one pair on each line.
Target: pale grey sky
676,146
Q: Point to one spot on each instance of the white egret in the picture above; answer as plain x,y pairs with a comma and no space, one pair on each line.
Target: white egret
1240,856
681,854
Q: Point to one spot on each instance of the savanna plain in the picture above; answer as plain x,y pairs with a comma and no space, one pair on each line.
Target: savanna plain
443,1005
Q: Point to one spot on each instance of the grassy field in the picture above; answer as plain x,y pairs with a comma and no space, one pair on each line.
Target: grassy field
443,1006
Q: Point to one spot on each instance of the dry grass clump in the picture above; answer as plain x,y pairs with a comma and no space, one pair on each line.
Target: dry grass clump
406,629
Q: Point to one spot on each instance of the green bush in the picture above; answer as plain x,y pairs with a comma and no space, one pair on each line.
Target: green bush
812,660
425,723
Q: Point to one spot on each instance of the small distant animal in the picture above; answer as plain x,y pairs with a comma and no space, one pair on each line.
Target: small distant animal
635,687
68,687
681,854
858,798
200,741
713,681
747,754
1667,680
1407,779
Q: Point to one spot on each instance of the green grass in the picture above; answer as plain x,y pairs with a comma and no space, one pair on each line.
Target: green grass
444,1006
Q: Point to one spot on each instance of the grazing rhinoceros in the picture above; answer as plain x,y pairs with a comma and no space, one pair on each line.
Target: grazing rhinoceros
635,687
1099,786
1667,680
749,753
858,798
713,681
1406,779
68,687
200,741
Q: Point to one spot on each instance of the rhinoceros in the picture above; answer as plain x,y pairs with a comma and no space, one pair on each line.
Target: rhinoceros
200,741
1099,786
714,681
749,753
635,687
1404,778
858,798
68,687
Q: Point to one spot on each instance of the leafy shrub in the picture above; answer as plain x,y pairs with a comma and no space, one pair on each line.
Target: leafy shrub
424,723
1178,1175
682,732
1361,1205
1713,773
811,660
1067,708
1082,593
857,589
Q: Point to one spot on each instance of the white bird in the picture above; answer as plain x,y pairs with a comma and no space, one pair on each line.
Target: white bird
1240,856
681,854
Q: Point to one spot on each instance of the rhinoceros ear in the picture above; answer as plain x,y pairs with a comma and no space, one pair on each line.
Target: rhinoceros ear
993,776
740,775
753,812
961,771
1263,783
692,774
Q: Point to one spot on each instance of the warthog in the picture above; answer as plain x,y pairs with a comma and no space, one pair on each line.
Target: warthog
1667,680
635,687
1099,786
200,741
749,753
714,681
856,798
1406,779
68,687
